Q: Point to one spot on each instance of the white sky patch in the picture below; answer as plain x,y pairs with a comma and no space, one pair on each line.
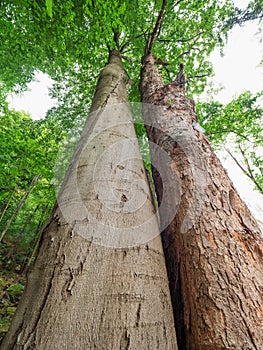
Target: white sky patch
241,3
36,101
240,68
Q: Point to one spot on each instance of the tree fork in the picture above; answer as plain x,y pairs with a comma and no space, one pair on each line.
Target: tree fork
213,245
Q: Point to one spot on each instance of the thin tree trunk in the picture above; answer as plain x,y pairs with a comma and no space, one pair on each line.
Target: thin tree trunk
20,206
213,245
7,204
32,254
21,234
95,284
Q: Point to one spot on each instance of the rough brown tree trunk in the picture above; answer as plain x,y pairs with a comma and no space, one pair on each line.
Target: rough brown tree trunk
99,282
212,244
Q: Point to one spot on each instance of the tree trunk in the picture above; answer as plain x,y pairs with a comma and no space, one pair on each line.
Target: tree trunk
5,206
15,247
99,280
212,244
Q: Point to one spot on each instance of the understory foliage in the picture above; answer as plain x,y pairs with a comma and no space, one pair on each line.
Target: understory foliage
69,41
28,151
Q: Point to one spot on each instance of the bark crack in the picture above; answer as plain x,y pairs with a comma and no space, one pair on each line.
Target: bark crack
125,341
31,335
114,88
138,315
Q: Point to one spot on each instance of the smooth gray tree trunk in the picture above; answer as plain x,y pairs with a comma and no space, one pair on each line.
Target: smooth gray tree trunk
99,280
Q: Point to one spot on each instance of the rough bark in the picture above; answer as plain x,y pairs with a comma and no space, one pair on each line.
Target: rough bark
83,295
213,246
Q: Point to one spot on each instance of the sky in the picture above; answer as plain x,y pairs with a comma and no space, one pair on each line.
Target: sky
240,67
238,70
36,100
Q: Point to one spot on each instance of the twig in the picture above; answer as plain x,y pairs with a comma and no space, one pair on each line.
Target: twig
233,131
183,40
130,42
250,172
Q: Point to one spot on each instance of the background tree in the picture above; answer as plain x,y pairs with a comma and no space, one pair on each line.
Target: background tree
237,128
28,152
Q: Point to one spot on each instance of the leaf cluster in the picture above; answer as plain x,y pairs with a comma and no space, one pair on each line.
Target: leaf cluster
253,11
69,40
238,125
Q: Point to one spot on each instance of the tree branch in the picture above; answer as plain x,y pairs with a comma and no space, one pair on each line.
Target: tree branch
197,76
248,171
116,36
183,40
130,41
157,27
183,54
234,132
237,162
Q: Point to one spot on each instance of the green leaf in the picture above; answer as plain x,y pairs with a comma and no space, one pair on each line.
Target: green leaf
49,4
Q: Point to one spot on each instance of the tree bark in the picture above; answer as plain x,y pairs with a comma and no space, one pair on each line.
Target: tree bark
212,244
92,287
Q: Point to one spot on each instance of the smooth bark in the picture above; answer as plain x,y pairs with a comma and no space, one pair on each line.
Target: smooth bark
213,245
90,289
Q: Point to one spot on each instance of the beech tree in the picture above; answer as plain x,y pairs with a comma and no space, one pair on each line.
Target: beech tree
87,293
95,283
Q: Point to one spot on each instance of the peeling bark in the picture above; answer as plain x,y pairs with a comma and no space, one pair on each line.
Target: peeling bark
213,245
81,294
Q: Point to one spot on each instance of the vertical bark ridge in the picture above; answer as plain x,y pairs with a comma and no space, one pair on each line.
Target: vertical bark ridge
83,293
214,258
